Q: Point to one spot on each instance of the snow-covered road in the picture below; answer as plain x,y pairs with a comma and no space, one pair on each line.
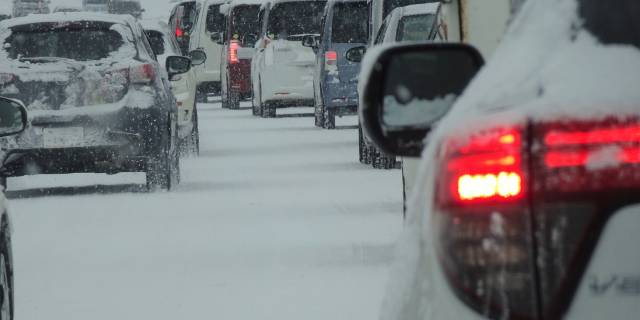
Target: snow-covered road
275,220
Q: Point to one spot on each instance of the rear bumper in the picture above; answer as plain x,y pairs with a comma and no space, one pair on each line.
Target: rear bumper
111,142
286,83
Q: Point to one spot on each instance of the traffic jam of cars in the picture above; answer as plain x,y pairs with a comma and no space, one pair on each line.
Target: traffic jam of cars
515,125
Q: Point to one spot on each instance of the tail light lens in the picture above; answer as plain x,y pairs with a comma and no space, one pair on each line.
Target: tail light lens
484,240
234,45
330,60
179,33
142,74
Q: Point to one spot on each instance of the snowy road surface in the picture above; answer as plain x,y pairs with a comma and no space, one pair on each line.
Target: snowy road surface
275,220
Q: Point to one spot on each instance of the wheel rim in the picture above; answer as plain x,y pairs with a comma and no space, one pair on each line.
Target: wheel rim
5,309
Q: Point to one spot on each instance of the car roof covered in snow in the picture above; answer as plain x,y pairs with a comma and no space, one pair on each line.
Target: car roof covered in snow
63,17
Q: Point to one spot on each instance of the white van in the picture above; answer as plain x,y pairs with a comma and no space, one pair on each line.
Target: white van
208,35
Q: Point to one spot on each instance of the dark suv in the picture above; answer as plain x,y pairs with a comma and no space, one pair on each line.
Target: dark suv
96,97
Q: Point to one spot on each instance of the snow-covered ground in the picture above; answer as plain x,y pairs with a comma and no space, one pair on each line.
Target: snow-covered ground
275,220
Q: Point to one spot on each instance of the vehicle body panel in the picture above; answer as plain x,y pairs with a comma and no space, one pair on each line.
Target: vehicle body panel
210,20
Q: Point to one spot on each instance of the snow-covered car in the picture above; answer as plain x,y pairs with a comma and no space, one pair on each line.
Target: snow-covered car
95,5
527,203
208,35
13,120
416,22
182,20
240,35
183,85
282,69
97,101
335,79
22,8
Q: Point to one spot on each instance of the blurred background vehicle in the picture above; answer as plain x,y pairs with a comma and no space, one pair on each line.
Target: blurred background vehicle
182,19
95,5
282,74
240,35
13,120
96,98
183,85
132,7
4,17
22,8
66,9
335,83
208,35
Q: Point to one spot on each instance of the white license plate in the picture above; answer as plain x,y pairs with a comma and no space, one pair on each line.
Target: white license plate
63,137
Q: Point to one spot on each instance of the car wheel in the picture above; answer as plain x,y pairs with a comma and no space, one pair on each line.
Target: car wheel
6,277
329,117
319,116
201,96
254,105
234,99
195,134
3,183
268,110
383,161
163,168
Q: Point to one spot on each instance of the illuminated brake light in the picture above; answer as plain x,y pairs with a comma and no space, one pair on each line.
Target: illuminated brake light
487,186
330,59
233,51
142,74
598,136
179,33
485,167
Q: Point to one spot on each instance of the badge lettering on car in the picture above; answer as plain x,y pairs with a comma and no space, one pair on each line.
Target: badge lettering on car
624,285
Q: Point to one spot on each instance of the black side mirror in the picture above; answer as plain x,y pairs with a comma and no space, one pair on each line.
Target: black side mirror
177,65
356,54
410,88
310,41
13,117
198,57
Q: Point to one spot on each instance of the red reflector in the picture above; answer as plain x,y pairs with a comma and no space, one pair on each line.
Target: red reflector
598,136
487,186
233,51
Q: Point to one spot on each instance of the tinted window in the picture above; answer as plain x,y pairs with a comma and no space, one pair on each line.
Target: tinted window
215,20
389,5
124,7
188,16
156,40
415,28
350,23
294,19
81,42
613,22
244,21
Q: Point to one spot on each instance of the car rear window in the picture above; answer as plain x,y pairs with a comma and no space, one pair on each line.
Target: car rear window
415,28
350,22
215,19
244,21
289,20
156,40
612,23
79,41
124,7
189,14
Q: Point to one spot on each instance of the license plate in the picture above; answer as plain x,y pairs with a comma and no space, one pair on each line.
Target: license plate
63,137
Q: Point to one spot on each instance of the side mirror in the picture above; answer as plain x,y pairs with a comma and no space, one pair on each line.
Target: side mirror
198,57
13,117
217,37
249,40
410,88
177,65
356,54
310,41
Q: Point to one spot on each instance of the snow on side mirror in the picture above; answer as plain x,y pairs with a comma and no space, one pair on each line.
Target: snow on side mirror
13,117
410,88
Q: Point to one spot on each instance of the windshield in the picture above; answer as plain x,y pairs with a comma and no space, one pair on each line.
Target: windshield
156,40
350,22
613,24
415,28
81,42
295,19
244,21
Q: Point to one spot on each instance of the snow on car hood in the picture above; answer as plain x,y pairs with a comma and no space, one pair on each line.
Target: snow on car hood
547,67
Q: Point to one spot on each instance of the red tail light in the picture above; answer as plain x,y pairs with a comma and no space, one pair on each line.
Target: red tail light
234,45
179,33
330,59
482,227
143,74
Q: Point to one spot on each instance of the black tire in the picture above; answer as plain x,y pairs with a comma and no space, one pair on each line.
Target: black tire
363,151
6,276
318,112
163,168
254,106
329,118
383,161
268,110
3,183
201,96
233,99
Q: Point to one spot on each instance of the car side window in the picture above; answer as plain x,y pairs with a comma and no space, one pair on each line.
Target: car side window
215,20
